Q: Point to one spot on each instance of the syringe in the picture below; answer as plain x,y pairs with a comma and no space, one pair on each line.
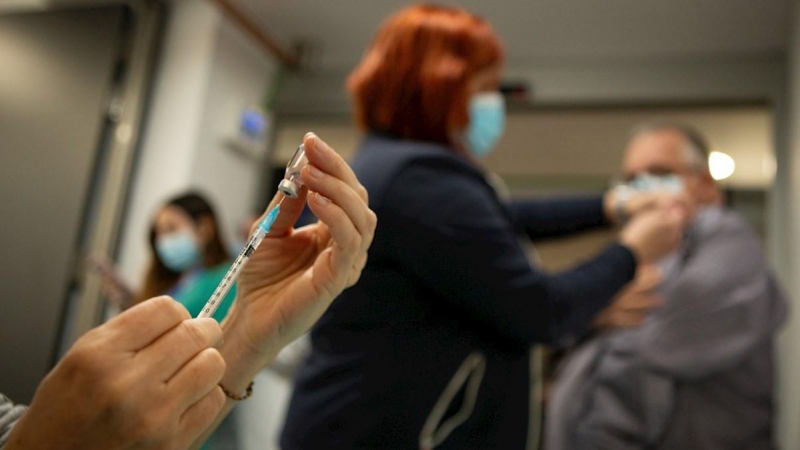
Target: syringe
290,186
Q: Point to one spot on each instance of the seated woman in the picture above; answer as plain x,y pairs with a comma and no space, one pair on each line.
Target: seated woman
189,255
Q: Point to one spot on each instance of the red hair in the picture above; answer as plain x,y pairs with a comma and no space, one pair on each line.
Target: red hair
413,80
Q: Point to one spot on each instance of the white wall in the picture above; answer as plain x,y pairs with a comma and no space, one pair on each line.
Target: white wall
208,73
589,81
533,138
240,75
643,80
788,213
171,128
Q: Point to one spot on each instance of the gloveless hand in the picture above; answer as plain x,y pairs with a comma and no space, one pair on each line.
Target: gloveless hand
146,379
296,274
631,306
655,233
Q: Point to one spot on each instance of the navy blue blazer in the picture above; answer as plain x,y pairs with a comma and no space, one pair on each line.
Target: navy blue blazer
446,275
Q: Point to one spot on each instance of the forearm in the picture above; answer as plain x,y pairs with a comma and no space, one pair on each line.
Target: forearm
545,219
242,365
493,281
496,286
577,296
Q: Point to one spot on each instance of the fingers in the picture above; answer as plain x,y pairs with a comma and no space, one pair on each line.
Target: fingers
341,228
142,324
340,202
644,202
653,234
627,311
326,159
180,344
339,265
196,378
639,303
341,194
200,416
623,319
682,210
329,175
641,202
322,156
647,279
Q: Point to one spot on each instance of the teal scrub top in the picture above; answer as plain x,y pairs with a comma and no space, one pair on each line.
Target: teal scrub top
195,292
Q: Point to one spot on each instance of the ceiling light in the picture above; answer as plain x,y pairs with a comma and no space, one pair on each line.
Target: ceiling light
721,165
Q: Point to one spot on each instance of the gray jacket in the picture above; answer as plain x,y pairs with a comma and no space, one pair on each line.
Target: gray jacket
699,373
9,415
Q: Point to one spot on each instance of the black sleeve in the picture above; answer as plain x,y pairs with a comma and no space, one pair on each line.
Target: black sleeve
452,234
551,218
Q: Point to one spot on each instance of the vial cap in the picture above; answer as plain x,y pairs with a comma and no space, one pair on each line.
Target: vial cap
289,188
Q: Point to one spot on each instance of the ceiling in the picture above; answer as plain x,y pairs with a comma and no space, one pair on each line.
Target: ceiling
551,29
11,6
533,30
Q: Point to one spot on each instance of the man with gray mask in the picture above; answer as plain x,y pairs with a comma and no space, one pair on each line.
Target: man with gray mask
698,372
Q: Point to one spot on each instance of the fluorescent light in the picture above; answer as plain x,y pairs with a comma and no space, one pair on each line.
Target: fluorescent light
721,165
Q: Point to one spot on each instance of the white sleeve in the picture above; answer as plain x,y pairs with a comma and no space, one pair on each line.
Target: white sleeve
9,415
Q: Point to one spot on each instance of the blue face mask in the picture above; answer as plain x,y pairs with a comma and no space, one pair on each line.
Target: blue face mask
178,251
487,121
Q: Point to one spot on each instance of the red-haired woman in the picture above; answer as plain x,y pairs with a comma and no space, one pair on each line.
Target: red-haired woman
447,277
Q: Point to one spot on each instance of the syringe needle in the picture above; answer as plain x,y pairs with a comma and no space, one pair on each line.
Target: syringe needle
289,187
236,268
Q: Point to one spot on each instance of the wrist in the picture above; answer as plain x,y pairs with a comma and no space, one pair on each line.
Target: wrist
632,247
243,360
38,429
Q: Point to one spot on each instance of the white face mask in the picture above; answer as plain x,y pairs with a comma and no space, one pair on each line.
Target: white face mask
178,251
657,183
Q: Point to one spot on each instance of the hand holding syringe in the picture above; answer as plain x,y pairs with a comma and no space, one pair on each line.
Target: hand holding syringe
290,186
284,289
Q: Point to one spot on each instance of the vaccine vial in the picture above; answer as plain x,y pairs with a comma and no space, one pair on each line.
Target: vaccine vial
292,183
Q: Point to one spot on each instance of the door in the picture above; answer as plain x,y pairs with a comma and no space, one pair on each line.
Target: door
55,74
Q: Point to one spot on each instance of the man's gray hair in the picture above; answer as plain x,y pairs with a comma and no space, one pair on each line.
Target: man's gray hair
697,149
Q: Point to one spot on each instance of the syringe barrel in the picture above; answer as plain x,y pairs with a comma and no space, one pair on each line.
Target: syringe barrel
292,182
